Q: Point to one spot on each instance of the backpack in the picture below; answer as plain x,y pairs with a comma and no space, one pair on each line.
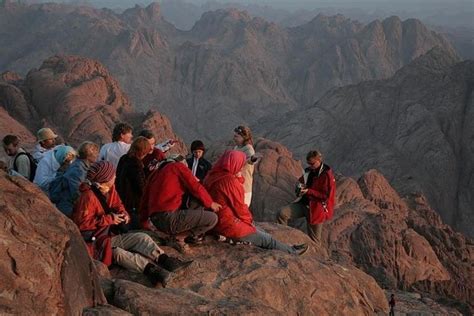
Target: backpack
33,165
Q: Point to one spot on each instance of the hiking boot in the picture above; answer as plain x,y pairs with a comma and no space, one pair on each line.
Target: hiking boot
300,249
172,264
157,275
194,240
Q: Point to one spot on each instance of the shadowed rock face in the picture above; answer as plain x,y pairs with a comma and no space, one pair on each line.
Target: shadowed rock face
412,127
402,243
229,68
44,264
78,98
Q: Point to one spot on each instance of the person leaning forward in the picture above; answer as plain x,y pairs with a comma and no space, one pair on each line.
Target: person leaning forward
162,200
316,191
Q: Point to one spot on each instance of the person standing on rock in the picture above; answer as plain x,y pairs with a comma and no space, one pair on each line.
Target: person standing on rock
98,210
57,159
46,142
20,161
235,219
392,305
121,139
244,142
162,201
64,189
316,190
130,181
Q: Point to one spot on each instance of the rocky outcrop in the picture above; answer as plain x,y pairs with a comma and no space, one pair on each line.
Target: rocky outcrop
240,279
44,265
412,127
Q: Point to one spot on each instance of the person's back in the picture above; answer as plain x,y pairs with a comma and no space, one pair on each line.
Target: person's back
112,152
130,181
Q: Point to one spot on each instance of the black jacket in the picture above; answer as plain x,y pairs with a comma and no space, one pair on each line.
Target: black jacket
203,167
130,181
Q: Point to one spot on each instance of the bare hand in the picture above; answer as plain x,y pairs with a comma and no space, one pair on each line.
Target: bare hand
215,206
303,191
117,218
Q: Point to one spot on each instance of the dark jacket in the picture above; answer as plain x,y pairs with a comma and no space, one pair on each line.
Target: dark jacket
203,167
130,181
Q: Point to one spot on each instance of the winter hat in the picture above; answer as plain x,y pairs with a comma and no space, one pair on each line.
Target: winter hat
101,172
197,144
61,151
45,133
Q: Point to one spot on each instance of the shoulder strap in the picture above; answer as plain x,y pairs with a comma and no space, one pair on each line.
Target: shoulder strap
16,157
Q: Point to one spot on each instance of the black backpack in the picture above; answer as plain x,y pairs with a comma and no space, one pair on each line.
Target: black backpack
33,164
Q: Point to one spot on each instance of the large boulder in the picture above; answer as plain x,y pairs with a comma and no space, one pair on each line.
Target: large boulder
44,266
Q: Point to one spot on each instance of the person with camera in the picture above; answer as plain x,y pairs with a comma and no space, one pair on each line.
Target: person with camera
101,216
157,152
316,190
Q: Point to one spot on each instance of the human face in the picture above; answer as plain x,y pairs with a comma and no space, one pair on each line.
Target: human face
152,142
10,150
198,153
238,139
127,137
314,163
93,155
48,143
106,187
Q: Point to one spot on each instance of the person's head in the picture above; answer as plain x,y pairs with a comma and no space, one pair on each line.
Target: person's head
139,148
232,161
122,132
198,149
11,144
150,136
392,296
102,175
46,138
64,154
242,135
314,159
88,151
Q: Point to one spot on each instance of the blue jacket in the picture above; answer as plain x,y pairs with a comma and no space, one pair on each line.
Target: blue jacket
64,190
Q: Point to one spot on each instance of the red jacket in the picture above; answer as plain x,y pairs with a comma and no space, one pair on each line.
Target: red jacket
321,195
235,219
165,189
89,214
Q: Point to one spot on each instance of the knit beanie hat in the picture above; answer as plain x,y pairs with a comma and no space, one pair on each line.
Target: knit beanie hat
101,172
61,151
197,144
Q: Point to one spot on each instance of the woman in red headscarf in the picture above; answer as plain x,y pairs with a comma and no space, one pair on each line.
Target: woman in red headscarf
224,184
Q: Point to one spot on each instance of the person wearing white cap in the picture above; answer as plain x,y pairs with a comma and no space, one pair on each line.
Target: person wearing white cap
46,141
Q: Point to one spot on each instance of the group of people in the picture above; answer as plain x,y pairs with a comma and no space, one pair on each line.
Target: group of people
134,183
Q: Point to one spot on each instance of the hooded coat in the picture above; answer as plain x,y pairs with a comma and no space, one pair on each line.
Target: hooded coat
226,188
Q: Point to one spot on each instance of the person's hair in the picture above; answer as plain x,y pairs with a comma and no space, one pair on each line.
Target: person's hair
246,134
11,139
86,148
119,129
139,147
148,134
314,154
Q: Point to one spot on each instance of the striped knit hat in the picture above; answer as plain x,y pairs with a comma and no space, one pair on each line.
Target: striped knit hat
101,172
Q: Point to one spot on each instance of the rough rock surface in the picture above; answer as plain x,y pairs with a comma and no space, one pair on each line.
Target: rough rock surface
408,303
229,68
44,265
244,279
413,127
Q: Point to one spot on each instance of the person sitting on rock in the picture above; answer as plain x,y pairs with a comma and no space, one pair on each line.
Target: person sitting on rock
162,200
57,159
130,181
316,190
155,156
224,183
64,189
20,161
99,210
198,165
121,140
46,142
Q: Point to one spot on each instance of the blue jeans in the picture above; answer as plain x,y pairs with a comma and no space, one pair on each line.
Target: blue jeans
263,239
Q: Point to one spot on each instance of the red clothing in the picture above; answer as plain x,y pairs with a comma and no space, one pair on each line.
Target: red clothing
235,219
150,162
321,194
89,214
165,189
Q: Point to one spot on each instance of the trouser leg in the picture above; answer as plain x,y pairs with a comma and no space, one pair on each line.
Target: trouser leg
315,232
134,250
196,221
291,211
263,239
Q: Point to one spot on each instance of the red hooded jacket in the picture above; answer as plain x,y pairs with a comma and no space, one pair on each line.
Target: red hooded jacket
321,194
165,189
235,219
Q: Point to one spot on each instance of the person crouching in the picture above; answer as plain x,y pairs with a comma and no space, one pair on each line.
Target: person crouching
99,211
